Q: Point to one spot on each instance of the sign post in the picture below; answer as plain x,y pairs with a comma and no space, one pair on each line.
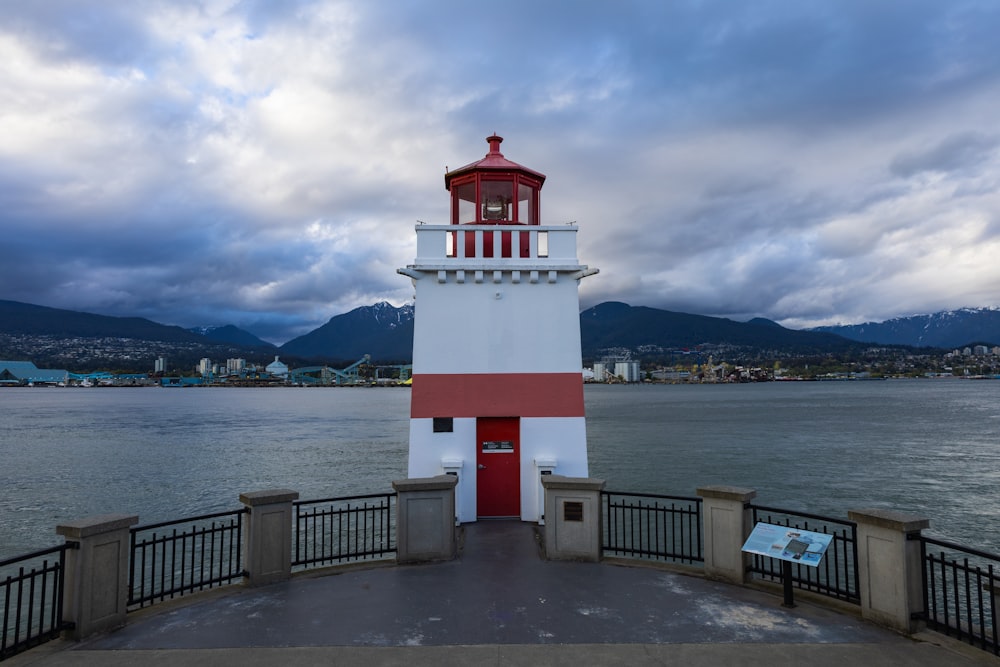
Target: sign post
789,545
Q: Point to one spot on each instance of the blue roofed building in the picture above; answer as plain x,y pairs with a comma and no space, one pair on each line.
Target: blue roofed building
25,372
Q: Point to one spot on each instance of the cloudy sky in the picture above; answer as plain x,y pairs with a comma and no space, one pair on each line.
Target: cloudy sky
263,163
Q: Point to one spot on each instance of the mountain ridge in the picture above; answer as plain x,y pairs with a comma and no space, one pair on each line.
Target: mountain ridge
616,324
385,332
230,333
28,318
349,336
948,329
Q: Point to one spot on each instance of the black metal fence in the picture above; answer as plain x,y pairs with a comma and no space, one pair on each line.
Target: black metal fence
338,530
961,592
836,575
175,558
31,588
652,527
961,586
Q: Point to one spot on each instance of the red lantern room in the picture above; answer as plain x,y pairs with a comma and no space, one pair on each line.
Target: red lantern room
494,191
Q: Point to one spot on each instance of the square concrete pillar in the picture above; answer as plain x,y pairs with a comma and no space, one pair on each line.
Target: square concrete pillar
96,586
573,526
726,525
889,567
425,518
267,535
992,588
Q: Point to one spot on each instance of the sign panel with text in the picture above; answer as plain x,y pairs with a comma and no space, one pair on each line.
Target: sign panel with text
791,544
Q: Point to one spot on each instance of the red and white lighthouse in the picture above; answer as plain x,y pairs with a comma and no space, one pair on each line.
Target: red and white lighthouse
497,372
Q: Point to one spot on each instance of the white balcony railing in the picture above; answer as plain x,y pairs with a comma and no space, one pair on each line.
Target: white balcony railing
449,246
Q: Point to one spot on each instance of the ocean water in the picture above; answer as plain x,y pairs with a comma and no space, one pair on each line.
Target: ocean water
930,447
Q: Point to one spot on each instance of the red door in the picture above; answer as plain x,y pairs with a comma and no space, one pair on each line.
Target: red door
498,460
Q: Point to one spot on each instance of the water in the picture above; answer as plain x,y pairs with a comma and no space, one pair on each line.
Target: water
929,447
923,446
169,453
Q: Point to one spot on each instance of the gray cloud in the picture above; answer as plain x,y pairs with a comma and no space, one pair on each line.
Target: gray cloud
956,152
262,164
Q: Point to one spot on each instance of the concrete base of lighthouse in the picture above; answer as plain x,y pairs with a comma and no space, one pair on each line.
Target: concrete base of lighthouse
544,445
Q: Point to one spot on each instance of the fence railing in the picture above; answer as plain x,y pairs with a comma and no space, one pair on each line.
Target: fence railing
31,590
961,586
524,245
338,530
176,558
653,527
961,592
836,575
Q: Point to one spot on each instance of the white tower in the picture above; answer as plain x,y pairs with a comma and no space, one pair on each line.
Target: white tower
497,372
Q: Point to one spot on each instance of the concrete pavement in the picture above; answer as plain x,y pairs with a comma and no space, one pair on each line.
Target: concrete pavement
499,603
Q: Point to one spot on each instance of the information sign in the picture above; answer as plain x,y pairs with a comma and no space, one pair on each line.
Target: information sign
498,447
789,544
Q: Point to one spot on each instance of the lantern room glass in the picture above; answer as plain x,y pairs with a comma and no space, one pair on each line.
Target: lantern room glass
463,198
496,201
500,199
527,198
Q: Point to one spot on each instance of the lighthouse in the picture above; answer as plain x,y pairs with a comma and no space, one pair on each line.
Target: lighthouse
497,391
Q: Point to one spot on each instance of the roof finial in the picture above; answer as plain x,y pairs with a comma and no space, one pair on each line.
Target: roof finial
494,142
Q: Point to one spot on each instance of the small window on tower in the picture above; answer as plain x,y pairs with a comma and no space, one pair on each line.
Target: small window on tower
444,424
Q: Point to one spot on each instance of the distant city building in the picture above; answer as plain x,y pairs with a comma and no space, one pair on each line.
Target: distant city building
670,375
205,367
628,371
25,372
277,368
160,365
235,366
980,350
617,371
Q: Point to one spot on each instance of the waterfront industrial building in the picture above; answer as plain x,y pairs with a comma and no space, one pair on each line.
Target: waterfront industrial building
25,372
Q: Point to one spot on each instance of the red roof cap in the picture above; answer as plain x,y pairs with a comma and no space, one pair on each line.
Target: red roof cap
494,161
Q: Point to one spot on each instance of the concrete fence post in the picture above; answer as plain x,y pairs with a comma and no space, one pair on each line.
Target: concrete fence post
96,585
992,588
889,567
573,525
425,518
726,525
267,535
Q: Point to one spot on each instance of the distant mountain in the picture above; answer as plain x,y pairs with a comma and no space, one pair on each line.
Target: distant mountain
26,318
763,321
69,339
383,331
386,333
232,334
948,329
72,340
613,324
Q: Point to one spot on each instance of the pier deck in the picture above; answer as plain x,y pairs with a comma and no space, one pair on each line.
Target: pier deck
498,603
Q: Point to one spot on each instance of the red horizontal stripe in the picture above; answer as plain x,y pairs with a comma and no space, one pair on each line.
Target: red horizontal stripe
497,395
